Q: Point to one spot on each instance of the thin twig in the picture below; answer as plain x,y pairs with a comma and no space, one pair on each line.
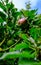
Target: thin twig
11,46
2,42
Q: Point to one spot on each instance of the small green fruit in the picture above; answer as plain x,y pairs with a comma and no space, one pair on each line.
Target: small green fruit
9,42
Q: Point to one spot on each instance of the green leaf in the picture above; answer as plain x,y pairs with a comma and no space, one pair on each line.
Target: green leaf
34,32
16,54
6,1
3,16
10,55
39,40
28,62
1,20
24,36
24,12
10,6
20,46
26,54
2,6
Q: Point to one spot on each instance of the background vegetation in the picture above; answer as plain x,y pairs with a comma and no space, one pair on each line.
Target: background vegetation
19,44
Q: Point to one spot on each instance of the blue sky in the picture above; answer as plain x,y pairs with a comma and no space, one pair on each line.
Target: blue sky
34,4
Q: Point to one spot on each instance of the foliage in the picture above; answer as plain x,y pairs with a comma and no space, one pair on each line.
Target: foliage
19,42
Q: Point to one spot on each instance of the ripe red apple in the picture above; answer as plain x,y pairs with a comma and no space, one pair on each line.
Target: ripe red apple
21,21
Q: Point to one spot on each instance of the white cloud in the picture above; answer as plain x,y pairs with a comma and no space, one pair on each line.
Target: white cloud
19,3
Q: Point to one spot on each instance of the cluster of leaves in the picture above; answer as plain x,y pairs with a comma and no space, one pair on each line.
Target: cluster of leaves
18,42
